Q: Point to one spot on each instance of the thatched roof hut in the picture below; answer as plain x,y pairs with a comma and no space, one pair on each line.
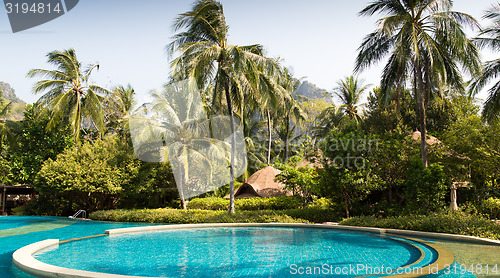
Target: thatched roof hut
431,140
262,184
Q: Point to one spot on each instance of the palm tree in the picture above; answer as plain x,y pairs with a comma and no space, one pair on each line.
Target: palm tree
426,44
119,102
206,56
253,127
329,119
174,128
491,39
5,132
290,111
70,97
349,92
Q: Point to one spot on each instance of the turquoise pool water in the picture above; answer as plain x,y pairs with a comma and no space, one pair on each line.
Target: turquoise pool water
19,231
235,252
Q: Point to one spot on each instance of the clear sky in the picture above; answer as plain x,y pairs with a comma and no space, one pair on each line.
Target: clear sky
317,38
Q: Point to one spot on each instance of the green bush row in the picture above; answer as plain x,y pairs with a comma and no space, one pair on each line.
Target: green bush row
176,216
273,203
445,222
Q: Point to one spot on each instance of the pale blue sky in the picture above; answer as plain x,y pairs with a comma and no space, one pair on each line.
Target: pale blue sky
317,38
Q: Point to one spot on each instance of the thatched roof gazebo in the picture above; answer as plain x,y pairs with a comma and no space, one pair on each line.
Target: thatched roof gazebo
430,140
261,184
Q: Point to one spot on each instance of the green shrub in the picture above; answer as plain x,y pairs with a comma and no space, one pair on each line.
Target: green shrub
176,216
426,187
209,203
492,206
274,203
303,180
321,203
315,215
456,222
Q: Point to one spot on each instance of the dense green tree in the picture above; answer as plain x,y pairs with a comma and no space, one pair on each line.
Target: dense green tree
90,178
301,181
206,55
478,146
425,188
426,44
382,115
70,97
153,187
36,144
349,173
5,133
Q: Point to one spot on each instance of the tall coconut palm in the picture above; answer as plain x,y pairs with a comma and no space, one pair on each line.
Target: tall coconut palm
425,42
119,102
291,110
349,92
270,98
174,128
490,37
70,97
206,56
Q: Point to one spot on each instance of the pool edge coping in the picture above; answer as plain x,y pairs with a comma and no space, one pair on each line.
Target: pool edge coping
23,260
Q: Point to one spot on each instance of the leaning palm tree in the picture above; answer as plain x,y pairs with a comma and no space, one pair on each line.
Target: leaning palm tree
490,37
70,98
426,44
349,92
205,55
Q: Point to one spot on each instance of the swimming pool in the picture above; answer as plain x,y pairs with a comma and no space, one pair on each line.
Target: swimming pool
231,252
216,250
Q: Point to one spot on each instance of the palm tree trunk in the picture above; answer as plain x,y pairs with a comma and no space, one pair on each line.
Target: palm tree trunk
421,110
346,206
398,102
181,186
269,137
233,141
287,136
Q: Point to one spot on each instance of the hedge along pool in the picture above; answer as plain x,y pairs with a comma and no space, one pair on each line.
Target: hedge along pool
250,251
